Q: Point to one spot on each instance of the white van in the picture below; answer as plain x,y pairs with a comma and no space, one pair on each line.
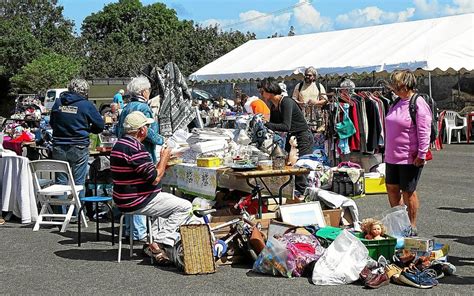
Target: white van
51,96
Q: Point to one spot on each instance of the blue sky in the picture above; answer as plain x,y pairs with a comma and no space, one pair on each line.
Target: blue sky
265,17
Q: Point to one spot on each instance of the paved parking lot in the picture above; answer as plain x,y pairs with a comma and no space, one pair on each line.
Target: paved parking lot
49,262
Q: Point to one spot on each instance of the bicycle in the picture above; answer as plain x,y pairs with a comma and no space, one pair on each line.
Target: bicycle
240,230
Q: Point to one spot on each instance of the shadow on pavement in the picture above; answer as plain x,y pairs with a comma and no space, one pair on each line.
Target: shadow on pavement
88,254
467,240
457,280
458,210
460,261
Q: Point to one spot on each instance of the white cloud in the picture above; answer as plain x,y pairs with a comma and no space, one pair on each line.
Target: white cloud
460,6
304,17
372,15
427,7
308,19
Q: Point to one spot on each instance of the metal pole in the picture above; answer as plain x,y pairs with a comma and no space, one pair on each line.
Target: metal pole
429,82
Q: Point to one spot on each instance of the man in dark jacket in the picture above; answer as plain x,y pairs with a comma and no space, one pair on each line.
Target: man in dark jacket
73,117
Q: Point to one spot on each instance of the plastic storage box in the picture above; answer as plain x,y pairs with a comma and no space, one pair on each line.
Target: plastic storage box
384,247
209,162
375,185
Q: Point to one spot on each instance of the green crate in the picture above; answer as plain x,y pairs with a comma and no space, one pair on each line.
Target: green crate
384,247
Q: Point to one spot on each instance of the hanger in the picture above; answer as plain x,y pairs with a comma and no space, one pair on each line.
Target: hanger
344,95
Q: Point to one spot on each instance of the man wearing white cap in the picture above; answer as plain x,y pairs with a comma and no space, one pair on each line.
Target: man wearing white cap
137,187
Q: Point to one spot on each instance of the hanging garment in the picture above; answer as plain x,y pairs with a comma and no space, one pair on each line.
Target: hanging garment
345,129
176,110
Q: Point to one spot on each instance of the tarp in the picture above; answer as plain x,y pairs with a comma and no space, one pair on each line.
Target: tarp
440,43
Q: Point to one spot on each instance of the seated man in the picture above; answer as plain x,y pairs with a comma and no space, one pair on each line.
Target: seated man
112,115
137,189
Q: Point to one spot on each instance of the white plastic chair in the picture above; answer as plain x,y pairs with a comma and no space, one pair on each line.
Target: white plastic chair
450,125
48,196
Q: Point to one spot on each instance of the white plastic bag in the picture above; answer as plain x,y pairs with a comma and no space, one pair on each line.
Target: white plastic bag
397,222
342,262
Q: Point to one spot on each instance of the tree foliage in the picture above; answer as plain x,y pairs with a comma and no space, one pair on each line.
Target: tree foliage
31,28
47,71
126,35
39,50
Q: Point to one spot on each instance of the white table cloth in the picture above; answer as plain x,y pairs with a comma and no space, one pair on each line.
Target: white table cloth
18,193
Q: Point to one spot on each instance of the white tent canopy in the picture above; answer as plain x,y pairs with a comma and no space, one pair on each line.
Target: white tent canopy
441,43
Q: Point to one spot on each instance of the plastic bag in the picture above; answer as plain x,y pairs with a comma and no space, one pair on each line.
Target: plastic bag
397,222
342,262
272,260
302,250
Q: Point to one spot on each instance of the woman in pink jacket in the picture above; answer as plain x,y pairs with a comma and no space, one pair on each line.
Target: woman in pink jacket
406,144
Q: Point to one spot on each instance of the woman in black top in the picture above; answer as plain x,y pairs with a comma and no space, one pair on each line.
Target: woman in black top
286,116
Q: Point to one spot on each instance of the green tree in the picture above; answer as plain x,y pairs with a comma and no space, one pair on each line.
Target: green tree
29,29
126,35
47,71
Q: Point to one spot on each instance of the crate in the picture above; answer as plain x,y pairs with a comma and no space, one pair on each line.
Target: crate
197,249
384,247
208,162
375,185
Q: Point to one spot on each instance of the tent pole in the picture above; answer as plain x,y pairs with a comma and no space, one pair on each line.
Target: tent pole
429,82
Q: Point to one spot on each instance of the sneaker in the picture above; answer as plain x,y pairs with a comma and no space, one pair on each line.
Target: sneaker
377,280
445,267
417,279
2,221
382,262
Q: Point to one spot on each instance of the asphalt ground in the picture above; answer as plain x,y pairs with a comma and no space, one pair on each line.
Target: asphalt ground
49,262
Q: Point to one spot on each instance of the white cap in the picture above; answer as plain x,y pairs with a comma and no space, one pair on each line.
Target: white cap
136,120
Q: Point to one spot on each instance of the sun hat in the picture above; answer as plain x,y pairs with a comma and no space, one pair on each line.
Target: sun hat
136,120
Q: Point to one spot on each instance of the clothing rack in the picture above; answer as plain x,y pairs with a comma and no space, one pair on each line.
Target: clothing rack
358,88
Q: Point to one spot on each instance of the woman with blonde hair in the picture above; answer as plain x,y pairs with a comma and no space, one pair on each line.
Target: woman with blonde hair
406,144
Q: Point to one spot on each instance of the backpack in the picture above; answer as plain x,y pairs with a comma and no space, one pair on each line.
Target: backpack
434,112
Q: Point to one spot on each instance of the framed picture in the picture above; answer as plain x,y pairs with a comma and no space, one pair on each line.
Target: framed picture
302,214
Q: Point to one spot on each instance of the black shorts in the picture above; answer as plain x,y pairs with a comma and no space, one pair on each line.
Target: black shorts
404,175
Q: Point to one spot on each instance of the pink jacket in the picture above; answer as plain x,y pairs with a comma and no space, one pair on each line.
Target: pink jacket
404,140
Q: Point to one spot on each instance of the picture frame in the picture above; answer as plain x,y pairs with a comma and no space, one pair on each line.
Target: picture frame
303,214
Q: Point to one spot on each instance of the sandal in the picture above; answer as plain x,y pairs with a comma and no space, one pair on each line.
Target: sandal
157,254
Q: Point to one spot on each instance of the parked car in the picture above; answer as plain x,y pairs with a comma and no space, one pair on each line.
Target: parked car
51,96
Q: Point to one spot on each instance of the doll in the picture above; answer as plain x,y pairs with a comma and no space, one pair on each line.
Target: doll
293,155
373,229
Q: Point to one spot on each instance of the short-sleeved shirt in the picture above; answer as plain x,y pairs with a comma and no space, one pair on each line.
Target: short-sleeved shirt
256,106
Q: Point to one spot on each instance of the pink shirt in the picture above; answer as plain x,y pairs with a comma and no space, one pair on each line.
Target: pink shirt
404,140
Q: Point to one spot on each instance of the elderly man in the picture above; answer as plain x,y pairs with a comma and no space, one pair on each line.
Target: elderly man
137,185
310,91
139,89
112,115
118,98
73,117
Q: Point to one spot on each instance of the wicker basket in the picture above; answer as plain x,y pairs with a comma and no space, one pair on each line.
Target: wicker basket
197,248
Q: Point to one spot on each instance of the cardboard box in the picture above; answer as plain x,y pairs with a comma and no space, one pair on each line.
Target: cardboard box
332,217
419,244
209,162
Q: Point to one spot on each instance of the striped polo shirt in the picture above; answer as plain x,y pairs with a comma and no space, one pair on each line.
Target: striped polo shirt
133,173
